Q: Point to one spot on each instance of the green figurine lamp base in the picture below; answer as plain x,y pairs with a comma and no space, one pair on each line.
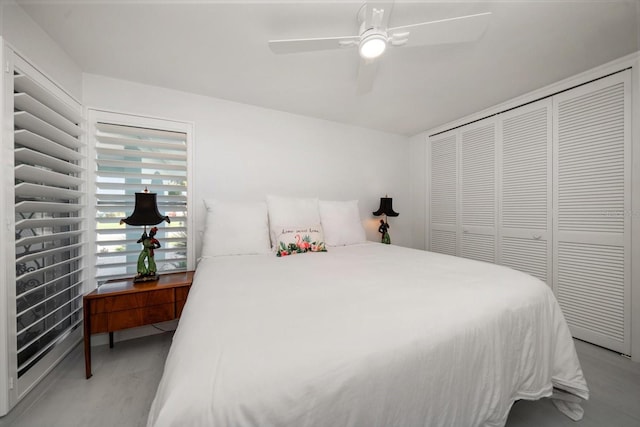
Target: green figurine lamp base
383,229
386,209
147,271
146,213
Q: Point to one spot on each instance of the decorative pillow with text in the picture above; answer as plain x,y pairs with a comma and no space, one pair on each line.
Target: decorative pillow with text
297,240
292,211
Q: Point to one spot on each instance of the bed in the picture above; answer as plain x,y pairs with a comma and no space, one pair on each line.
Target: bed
364,334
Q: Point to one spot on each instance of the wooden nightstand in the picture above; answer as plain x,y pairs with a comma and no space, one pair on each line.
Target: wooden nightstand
121,304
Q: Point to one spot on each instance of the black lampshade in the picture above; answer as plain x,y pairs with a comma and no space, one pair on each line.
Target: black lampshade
146,211
386,207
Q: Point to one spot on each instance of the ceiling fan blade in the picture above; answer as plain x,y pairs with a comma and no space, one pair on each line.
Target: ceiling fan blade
367,70
307,45
451,30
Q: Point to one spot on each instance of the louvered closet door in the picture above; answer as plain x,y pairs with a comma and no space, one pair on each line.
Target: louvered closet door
444,182
478,191
591,196
525,189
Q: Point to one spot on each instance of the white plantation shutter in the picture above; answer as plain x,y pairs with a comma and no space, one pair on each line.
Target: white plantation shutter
525,216
478,191
49,221
128,159
443,227
591,195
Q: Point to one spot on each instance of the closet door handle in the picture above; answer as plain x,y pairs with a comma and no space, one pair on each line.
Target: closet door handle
537,236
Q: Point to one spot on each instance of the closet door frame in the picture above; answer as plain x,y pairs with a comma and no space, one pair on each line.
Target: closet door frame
631,61
635,210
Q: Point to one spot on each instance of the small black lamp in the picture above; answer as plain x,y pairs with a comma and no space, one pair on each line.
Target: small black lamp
386,209
146,213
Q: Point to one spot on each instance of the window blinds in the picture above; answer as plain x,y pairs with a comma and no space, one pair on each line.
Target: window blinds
128,160
49,180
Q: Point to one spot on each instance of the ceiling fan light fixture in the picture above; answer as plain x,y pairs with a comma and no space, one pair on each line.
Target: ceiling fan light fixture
373,45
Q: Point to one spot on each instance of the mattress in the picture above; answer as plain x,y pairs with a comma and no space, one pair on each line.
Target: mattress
363,335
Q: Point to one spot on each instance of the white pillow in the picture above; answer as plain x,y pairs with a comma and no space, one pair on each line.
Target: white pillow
341,223
236,228
292,212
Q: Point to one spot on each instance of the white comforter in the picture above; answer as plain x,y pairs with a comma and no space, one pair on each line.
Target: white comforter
366,335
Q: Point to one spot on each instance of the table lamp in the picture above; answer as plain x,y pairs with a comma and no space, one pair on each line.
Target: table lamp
386,209
146,213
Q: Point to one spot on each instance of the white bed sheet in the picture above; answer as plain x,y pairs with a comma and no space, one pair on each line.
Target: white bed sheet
365,335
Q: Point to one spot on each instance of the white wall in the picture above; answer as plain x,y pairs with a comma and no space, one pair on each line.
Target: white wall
418,189
34,45
243,152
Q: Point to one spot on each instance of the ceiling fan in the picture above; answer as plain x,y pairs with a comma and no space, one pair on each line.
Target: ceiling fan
375,36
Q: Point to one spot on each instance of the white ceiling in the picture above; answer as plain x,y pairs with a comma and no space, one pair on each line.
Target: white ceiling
220,49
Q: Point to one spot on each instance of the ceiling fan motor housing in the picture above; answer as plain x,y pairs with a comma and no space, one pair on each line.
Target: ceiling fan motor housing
373,39
373,43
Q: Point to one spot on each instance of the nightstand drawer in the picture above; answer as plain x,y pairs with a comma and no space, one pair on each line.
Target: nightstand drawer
132,301
181,299
117,320
182,292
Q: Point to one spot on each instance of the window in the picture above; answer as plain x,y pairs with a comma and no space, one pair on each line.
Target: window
131,155
49,223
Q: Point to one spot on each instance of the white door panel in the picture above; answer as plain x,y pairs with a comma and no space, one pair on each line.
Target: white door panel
444,190
525,189
478,190
591,196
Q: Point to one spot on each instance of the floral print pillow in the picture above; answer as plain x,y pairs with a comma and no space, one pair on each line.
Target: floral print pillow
296,240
